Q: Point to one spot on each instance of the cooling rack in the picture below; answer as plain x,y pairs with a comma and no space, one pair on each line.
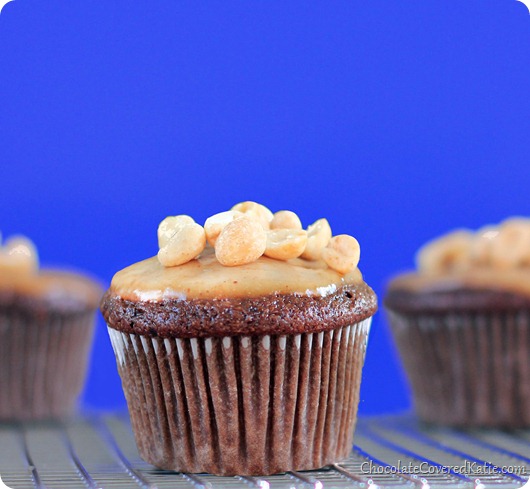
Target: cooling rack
98,451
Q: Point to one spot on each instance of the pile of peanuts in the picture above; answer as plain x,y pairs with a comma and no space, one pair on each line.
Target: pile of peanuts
250,230
504,246
18,254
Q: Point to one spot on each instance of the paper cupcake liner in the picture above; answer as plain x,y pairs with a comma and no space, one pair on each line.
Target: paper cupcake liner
243,405
468,369
43,363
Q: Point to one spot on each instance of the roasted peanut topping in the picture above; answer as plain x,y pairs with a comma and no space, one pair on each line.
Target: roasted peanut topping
286,220
450,252
169,226
342,253
19,254
502,247
285,244
185,245
255,211
318,236
215,224
241,241
248,231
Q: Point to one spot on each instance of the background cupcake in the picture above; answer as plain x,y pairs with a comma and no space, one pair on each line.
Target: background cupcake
240,357
462,325
46,329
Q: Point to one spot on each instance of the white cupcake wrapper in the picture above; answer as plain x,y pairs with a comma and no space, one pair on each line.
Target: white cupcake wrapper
243,404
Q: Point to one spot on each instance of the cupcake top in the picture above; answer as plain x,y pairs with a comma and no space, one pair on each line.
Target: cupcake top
23,283
240,258
493,261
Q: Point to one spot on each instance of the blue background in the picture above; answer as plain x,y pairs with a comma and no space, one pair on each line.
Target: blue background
397,120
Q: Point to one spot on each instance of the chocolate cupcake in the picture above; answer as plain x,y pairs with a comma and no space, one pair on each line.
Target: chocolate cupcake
46,329
462,325
234,362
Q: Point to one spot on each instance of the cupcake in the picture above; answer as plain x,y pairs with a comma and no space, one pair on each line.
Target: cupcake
462,325
46,329
240,345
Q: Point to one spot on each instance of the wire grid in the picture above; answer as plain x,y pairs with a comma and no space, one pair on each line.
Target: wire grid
98,451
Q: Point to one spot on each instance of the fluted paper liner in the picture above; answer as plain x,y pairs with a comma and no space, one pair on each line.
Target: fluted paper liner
43,363
249,405
467,369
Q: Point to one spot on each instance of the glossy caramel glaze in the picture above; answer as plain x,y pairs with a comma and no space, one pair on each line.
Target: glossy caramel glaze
49,288
206,278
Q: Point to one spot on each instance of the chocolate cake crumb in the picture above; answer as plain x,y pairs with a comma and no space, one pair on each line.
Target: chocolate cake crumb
270,314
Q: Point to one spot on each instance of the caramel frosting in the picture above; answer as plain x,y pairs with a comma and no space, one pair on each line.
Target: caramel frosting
57,289
206,278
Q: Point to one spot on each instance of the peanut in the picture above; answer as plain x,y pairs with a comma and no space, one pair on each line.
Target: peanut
284,244
169,226
187,243
255,211
342,253
480,251
215,224
318,236
285,220
451,252
511,247
19,253
241,241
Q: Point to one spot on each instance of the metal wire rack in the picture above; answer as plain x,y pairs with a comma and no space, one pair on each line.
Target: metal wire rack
98,452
